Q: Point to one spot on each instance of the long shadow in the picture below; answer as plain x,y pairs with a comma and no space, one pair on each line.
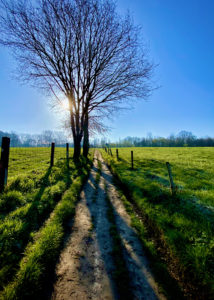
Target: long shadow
181,203
176,206
163,181
173,205
102,228
87,273
139,263
51,277
87,270
33,221
15,248
99,209
68,177
49,288
125,231
44,183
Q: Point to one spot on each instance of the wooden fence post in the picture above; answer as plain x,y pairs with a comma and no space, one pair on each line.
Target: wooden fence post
5,150
52,154
111,152
172,185
132,160
67,150
117,154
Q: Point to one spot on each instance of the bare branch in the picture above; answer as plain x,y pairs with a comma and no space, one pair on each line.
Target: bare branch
81,49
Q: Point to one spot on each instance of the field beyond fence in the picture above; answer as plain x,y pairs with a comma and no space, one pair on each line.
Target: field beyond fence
192,168
16,161
25,160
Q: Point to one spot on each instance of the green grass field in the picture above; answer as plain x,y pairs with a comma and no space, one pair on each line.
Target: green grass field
33,211
39,199
27,160
192,169
187,219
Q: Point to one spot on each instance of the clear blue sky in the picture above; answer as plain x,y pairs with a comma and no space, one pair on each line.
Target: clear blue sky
180,36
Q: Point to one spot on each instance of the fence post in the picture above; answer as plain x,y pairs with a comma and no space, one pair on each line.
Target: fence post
111,152
67,150
132,160
117,154
5,149
172,185
52,154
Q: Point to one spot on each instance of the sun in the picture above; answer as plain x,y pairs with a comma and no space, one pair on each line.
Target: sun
64,105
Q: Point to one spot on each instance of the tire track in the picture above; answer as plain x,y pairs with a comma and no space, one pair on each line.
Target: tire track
86,269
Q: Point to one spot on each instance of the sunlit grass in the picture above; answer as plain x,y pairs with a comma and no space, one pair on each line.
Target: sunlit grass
39,258
32,160
27,202
187,220
192,169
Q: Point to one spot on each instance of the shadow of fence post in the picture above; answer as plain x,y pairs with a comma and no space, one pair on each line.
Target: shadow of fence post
172,185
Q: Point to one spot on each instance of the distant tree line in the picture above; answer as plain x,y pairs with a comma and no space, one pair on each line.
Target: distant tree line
43,139
182,139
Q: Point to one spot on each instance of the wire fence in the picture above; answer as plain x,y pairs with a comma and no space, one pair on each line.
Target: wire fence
189,170
23,160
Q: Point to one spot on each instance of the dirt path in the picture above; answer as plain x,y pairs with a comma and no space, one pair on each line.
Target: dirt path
86,266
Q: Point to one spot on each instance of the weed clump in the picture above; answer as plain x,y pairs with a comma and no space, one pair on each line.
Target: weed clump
11,200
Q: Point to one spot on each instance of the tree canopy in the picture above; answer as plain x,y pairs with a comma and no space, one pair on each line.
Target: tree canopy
79,49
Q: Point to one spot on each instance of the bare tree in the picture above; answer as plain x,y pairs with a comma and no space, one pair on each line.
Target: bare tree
80,49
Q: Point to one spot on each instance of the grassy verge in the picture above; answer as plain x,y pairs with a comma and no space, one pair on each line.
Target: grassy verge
18,227
20,190
171,227
41,254
167,284
24,188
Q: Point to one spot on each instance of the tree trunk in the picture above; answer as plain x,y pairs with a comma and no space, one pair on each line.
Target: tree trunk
77,137
77,147
86,137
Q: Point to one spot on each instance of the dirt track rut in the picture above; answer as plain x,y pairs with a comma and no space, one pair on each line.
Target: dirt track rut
86,266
